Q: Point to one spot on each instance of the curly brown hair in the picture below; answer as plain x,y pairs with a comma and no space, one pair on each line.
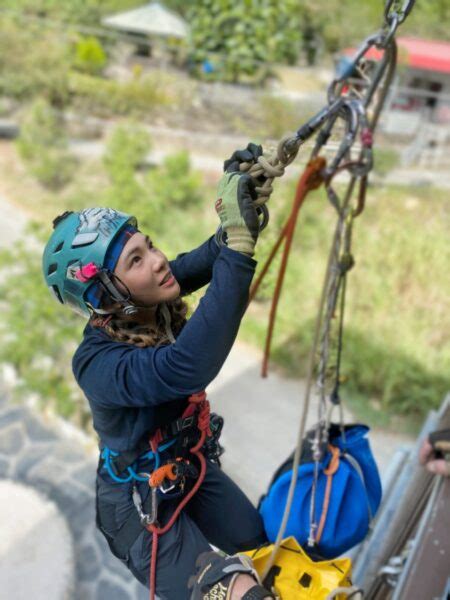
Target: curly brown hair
145,335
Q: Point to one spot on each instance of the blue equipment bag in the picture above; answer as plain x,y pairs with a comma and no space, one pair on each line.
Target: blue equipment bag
354,497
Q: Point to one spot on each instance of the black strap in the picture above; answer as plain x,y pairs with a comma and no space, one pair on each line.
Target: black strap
128,457
257,592
130,530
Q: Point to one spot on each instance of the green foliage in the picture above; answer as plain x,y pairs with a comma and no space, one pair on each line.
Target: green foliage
278,116
43,145
136,97
237,38
126,149
32,63
38,335
90,57
385,160
154,197
175,184
397,325
85,12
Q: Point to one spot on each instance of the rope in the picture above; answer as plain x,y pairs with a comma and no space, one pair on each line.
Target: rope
310,179
329,472
349,592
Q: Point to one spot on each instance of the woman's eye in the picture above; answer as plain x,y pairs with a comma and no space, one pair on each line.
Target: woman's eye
135,260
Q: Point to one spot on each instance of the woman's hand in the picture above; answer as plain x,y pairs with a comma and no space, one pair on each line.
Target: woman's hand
238,216
427,453
249,155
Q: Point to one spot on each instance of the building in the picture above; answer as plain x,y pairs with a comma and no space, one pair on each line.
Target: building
421,90
417,110
147,24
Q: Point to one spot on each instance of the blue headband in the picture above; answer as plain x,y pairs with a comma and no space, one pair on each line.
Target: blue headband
94,294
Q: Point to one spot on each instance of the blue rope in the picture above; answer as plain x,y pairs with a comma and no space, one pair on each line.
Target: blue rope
107,453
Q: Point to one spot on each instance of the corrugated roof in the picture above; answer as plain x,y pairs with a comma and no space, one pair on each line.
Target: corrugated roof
417,53
151,19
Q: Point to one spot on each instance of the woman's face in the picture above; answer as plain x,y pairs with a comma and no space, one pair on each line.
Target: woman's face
146,272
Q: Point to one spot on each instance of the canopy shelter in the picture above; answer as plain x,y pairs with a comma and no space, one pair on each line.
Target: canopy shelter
421,91
153,19
417,53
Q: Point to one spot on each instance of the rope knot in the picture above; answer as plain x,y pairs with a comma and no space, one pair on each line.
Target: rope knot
202,405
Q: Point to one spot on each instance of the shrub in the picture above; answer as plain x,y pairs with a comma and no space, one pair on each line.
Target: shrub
126,148
43,145
175,184
39,335
136,97
90,57
32,62
231,41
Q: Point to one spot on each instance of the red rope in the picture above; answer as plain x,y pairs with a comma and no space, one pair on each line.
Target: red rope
309,180
196,402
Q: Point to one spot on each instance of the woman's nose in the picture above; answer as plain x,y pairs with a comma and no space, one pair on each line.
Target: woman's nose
159,263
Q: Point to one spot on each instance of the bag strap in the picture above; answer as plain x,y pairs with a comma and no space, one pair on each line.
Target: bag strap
355,464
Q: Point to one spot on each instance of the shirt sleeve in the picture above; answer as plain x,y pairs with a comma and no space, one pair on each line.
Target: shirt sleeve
117,375
194,269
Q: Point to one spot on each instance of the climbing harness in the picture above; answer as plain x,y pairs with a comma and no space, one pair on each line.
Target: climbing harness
188,442
109,456
198,405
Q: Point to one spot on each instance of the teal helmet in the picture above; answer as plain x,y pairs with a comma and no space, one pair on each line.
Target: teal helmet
80,257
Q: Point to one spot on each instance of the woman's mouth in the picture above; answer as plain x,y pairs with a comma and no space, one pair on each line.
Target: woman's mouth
168,280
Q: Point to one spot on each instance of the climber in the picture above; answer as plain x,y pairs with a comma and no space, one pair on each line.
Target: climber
139,363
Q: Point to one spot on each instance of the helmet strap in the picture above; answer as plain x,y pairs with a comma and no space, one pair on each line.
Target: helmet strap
115,294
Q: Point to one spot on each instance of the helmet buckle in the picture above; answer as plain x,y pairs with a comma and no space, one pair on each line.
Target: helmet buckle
86,272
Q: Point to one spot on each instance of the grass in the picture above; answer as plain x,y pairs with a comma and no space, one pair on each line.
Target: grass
396,345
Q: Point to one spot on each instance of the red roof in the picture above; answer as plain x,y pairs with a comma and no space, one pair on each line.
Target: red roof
416,53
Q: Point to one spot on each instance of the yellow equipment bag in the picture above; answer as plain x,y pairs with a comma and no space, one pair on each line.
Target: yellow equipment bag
295,576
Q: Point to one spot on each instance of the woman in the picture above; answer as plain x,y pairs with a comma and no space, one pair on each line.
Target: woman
139,363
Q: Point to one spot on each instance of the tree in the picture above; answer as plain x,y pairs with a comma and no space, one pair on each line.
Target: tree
234,41
44,146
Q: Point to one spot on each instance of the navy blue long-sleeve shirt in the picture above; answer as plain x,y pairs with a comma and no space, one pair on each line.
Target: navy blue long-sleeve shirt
132,391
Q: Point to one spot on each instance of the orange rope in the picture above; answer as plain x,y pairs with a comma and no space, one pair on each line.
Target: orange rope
329,472
310,179
196,400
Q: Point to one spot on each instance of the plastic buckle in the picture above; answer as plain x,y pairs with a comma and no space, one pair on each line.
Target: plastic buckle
187,422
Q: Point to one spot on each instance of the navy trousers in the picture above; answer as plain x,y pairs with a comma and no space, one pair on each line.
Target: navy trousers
219,514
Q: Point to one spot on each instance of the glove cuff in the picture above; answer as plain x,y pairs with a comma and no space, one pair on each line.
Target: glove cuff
240,239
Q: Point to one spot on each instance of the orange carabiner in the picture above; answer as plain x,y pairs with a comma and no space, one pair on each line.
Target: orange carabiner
168,471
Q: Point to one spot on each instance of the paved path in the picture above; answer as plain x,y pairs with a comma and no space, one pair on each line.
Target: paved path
262,417
54,465
12,223
26,517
